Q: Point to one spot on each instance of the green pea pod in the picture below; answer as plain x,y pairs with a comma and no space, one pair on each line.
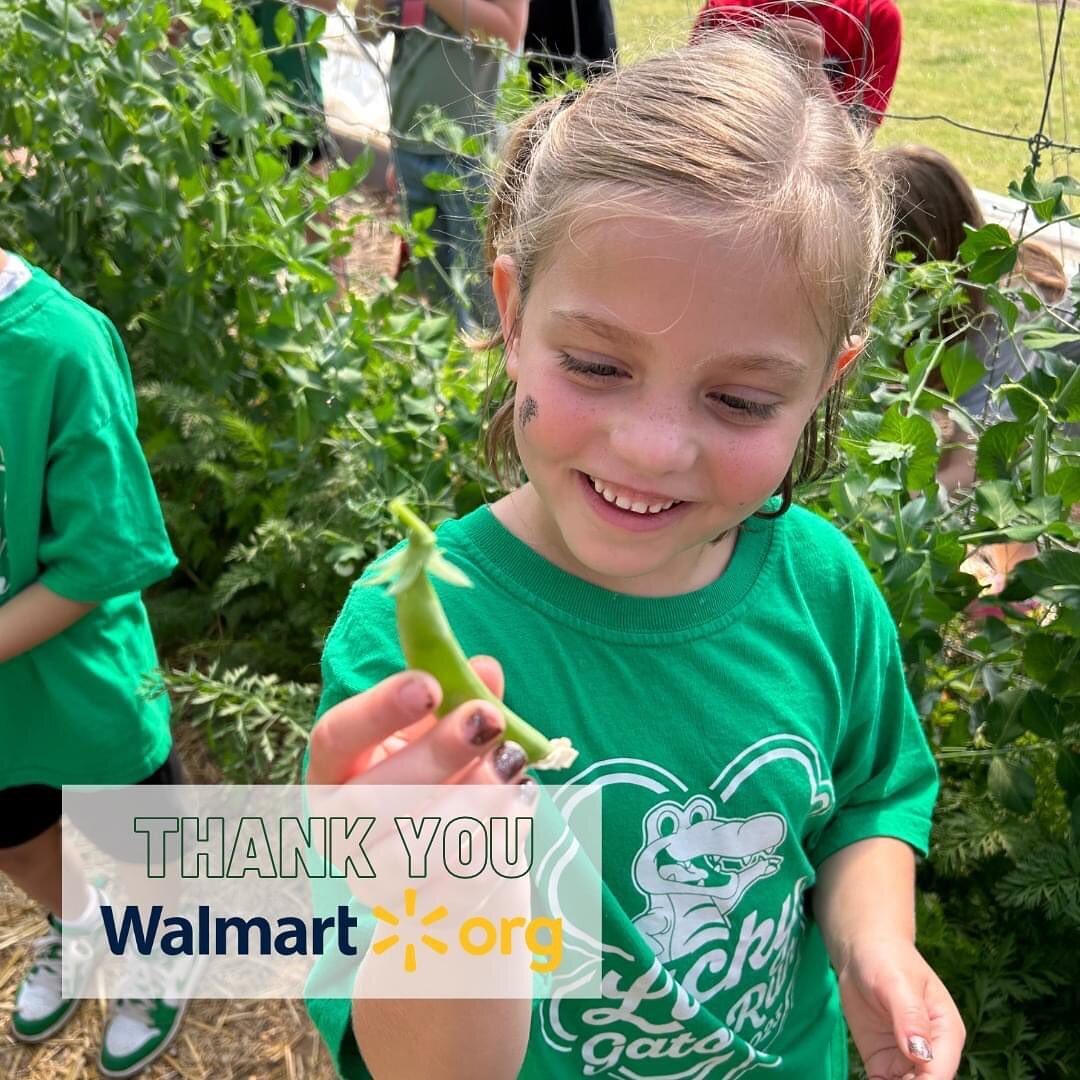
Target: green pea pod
429,644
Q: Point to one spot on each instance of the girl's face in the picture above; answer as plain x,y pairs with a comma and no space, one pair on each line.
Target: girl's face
662,380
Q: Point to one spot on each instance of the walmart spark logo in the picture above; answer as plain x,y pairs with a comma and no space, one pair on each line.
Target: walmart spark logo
433,943
478,936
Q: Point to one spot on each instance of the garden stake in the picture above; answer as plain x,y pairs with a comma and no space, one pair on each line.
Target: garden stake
429,644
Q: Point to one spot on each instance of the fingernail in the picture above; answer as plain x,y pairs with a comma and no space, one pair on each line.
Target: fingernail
920,1048
528,790
415,695
508,760
481,728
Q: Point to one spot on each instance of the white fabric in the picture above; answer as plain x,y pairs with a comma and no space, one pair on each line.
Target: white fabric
13,276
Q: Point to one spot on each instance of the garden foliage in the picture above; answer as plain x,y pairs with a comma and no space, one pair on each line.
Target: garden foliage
279,419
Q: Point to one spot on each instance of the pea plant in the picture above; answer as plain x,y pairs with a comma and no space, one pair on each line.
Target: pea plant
996,678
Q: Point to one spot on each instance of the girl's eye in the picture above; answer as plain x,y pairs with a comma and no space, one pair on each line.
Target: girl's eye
745,408
586,367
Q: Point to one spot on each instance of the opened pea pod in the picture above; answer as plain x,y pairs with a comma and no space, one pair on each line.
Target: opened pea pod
429,644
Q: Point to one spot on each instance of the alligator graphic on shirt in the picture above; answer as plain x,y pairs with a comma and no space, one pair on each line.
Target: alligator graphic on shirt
694,867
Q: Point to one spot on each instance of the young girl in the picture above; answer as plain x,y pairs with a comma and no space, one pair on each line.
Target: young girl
681,257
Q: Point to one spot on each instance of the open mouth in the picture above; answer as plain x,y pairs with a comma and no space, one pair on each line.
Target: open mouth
707,870
640,503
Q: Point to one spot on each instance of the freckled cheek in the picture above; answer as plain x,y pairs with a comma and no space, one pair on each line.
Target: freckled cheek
751,464
561,423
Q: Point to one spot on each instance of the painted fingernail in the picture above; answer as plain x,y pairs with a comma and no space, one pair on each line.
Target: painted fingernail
415,695
528,790
508,760
481,728
920,1048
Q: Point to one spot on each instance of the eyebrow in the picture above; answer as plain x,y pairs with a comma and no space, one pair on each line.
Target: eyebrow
620,335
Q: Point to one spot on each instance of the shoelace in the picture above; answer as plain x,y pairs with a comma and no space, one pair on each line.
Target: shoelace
138,1009
47,953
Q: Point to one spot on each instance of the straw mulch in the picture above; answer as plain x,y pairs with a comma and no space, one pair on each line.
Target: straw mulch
219,1040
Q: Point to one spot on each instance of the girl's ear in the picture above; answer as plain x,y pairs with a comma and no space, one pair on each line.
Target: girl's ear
504,284
847,357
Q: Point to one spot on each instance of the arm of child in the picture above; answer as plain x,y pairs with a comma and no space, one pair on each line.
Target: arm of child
901,1017
497,20
421,1039
34,616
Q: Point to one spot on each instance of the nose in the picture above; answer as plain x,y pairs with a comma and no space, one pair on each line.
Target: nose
655,441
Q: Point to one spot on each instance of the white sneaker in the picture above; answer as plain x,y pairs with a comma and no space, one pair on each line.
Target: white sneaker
139,1030
40,1007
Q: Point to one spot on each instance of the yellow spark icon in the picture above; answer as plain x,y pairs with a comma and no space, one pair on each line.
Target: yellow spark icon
433,943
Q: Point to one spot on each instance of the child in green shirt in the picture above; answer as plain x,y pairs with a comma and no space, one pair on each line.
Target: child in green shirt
683,257
81,534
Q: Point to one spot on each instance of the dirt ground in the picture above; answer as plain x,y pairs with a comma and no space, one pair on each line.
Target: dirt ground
219,1040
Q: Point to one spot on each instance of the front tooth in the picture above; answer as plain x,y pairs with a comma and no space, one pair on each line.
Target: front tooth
639,507
623,503
608,495
656,508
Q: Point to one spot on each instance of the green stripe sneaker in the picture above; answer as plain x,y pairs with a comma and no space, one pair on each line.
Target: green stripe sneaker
141,1029
41,1009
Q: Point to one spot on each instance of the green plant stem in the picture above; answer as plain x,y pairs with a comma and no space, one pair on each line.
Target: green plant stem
1039,453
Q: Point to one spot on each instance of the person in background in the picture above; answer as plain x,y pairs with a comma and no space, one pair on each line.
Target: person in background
568,35
861,41
81,535
932,204
447,54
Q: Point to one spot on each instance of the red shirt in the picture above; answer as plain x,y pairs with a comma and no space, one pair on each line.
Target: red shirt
862,41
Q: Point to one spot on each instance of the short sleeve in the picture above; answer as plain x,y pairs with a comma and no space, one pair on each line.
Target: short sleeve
103,535
884,774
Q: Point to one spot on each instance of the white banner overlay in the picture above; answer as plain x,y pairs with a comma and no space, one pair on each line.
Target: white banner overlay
357,891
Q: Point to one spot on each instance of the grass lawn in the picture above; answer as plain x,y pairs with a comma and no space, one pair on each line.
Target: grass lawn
975,61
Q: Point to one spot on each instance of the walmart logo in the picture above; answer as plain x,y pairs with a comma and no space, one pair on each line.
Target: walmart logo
476,936
433,943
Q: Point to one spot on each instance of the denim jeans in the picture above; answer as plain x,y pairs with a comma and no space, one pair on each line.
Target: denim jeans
459,279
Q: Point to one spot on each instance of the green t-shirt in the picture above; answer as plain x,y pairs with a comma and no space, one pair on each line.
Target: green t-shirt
742,734
78,514
299,66
461,78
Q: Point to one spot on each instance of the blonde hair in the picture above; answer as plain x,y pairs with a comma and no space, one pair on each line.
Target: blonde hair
737,132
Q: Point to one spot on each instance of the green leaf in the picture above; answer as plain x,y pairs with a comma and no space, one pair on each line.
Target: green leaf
1048,340
437,181
1068,772
1040,715
339,182
961,369
995,501
1045,197
1012,785
284,26
991,253
1051,569
999,447
222,8
1042,653
1065,484
910,439
1006,309
999,718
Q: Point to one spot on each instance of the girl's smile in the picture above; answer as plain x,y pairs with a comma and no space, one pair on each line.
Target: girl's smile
668,376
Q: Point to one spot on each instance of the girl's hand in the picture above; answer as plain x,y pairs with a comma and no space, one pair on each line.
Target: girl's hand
389,735
904,1023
